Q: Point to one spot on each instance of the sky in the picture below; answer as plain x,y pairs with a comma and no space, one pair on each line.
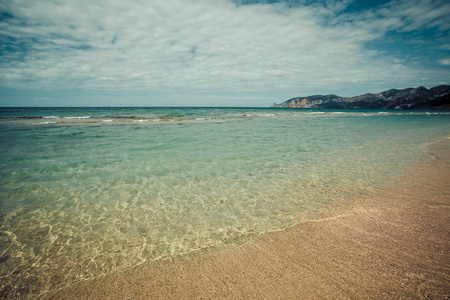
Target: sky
216,52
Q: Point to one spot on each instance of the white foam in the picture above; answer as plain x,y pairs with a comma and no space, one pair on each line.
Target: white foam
80,117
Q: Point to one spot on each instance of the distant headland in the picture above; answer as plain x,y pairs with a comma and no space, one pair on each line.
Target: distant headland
410,98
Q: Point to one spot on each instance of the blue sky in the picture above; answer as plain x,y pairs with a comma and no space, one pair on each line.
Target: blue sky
216,52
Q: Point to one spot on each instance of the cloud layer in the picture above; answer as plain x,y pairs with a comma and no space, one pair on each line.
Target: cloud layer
215,47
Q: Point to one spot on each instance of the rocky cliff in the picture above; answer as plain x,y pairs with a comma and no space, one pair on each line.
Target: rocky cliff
411,98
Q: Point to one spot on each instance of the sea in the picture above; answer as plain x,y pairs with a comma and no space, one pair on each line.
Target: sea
90,192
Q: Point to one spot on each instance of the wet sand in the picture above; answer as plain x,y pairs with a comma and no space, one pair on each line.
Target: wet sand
394,244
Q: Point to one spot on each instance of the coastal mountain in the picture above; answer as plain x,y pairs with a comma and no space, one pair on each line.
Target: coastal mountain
411,98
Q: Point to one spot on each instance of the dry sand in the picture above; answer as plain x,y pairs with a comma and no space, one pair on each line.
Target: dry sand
393,245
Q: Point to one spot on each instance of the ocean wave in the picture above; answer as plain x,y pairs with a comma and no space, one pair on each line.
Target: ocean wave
78,117
26,117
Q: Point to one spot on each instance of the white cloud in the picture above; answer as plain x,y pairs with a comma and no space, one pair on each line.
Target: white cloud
445,62
202,45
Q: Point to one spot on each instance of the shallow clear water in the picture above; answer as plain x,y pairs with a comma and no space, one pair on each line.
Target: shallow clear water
91,191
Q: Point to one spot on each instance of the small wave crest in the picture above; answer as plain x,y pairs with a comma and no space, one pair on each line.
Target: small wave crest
78,117
316,113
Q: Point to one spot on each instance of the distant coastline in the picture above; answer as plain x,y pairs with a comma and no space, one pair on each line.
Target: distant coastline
436,98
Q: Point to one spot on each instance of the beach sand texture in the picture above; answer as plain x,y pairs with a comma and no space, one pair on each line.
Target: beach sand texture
392,245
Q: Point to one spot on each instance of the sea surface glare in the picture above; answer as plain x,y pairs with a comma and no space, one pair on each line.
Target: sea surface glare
86,192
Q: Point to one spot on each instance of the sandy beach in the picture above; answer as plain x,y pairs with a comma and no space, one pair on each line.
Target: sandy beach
393,244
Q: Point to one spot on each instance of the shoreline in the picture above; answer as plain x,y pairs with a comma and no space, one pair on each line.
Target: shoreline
392,244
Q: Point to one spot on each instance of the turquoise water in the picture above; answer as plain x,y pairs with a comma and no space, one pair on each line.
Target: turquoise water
92,191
